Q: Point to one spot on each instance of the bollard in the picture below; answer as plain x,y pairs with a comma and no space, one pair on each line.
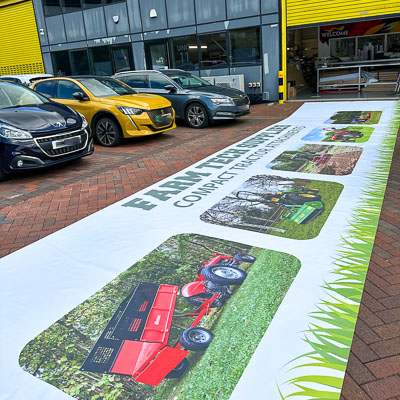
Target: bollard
281,87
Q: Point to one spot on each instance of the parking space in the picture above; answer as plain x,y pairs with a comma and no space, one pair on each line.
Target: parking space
36,204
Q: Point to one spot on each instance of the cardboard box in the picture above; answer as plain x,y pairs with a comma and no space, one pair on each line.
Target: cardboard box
292,92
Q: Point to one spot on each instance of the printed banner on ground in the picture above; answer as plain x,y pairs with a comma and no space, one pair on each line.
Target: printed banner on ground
238,277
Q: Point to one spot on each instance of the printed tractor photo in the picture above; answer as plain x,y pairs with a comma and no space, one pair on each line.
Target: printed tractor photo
343,135
318,159
355,117
348,134
303,204
294,208
135,341
168,326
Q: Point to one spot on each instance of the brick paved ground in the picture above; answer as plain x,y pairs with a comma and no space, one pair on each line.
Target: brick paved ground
37,204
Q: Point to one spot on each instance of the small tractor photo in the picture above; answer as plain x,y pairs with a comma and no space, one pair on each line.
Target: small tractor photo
135,341
344,135
358,118
303,204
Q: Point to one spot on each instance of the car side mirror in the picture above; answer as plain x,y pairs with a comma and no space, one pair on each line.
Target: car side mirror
80,96
170,88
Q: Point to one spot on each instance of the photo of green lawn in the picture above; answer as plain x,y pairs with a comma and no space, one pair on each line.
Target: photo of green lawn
292,208
355,117
57,354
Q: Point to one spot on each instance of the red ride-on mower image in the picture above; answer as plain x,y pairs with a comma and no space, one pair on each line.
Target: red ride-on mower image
135,341
344,136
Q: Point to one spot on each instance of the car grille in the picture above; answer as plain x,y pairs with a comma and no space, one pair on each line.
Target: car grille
46,143
153,114
241,101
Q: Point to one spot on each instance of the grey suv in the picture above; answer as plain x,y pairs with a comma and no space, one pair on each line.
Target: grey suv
194,99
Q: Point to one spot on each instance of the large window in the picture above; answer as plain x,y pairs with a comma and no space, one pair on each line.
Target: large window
51,7
61,63
213,51
101,61
71,5
245,46
122,57
80,62
57,7
185,52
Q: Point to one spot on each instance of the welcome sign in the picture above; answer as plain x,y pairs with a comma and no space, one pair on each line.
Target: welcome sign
238,277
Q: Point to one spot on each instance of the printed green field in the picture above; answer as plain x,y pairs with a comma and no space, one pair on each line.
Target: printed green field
237,330
330,192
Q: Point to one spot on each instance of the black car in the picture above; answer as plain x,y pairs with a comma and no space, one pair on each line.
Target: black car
194,99
36,132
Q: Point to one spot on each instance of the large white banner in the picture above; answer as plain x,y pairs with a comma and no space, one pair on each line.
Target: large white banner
245,265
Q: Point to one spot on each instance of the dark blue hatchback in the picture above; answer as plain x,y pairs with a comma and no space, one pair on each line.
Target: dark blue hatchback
36,132
194,100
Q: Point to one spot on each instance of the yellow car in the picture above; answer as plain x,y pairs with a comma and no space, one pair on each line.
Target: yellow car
113,109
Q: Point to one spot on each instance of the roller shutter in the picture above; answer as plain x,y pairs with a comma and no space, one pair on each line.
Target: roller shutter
304,12
19,42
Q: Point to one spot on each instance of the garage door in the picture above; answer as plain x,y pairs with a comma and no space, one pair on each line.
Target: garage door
19,42
303,12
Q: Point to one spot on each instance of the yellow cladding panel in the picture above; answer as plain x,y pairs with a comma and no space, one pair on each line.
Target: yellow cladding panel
19,42
303,12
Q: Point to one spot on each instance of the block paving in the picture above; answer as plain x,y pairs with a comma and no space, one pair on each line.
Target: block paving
36,204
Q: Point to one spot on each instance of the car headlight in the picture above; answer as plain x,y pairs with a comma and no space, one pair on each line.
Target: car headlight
130,110
10,132
222,101
84,122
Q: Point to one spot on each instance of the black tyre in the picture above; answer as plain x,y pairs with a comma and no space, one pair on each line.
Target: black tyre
196,116
3,174
195,338
108,132
244,258
223,275
179,370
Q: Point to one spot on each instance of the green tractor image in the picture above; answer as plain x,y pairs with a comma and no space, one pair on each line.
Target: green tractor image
303,204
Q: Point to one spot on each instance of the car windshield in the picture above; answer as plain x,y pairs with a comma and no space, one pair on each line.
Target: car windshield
105,87
188,81
14,95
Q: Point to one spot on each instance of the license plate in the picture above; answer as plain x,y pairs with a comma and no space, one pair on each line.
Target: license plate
73,141
244,107
164,119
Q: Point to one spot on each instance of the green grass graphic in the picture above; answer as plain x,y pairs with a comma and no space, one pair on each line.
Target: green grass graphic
237,328
331,331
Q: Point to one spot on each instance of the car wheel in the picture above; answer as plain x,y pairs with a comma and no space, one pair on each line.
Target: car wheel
195,338
107,132
244,258
196,116
179,370
3,174
223,275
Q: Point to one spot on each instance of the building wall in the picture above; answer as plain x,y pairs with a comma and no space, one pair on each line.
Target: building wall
304,12
95,26
19,42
